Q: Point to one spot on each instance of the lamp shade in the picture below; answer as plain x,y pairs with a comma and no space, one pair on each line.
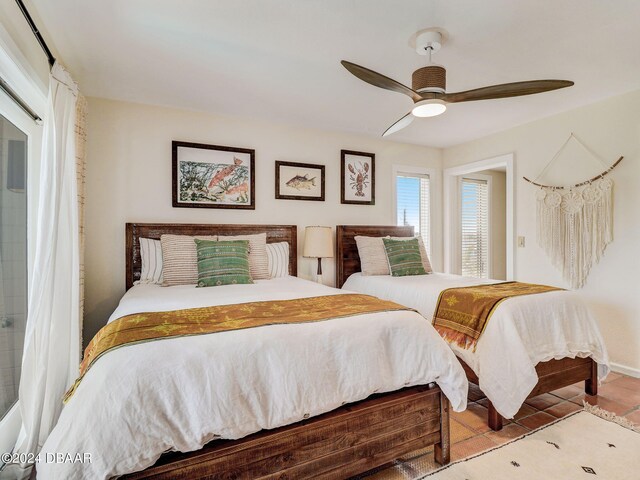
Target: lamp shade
318,242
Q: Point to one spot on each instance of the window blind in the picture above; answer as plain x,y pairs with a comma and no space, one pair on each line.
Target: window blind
474,229
413,208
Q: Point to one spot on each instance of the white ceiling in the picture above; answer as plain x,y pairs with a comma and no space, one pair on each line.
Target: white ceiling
279,60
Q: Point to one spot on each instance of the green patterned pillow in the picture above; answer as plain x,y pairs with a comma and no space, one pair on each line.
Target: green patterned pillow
222,263
404,257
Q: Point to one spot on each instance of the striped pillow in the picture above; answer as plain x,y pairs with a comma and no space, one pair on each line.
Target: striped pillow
180,260
423,252
257,253
223,263
278,259
404,257
151,256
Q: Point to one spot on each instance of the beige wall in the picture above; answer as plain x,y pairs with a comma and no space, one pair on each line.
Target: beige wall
611,128
128,179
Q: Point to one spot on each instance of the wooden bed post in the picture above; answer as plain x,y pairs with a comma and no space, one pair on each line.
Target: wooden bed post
591,383
494,418
442,450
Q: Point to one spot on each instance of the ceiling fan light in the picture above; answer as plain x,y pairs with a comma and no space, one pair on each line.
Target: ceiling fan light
429,108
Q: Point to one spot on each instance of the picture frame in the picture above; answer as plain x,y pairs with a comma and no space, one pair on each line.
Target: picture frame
212,176
357,178
299,181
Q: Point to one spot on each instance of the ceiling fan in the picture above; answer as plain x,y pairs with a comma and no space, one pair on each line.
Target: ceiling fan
428,85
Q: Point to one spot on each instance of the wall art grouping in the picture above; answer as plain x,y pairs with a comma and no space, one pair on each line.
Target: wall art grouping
215,176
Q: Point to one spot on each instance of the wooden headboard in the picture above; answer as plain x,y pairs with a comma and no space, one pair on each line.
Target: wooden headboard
134,231
347,258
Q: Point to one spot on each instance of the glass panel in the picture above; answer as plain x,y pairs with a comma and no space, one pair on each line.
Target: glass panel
13,259
412,192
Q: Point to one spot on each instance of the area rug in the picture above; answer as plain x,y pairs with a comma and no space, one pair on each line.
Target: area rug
588,444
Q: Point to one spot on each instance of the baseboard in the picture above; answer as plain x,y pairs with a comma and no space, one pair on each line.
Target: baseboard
632,372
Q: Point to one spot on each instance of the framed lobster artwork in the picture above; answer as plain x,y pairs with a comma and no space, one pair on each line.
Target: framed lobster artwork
357,178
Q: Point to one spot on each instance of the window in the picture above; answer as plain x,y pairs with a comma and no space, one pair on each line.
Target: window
13,259
474,227
412,203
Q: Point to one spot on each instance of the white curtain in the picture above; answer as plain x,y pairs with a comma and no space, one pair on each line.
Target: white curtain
51,354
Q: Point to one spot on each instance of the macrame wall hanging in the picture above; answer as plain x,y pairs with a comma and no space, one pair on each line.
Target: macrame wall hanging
575,223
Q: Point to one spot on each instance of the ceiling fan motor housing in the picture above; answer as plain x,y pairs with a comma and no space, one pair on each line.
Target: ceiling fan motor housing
432,78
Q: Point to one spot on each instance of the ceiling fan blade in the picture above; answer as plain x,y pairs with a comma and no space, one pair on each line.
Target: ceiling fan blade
399,124
379,80
506,90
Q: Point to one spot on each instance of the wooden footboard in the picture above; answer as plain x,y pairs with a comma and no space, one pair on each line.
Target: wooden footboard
339,444
552,375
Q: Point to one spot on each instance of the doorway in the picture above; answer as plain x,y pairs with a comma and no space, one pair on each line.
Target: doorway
479,227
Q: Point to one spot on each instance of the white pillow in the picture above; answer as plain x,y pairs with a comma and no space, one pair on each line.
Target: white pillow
373,256
278,259
151,255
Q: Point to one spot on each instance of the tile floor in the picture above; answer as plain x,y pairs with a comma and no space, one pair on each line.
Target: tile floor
470,434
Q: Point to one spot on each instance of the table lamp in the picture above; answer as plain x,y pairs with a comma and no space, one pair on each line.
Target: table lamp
318,243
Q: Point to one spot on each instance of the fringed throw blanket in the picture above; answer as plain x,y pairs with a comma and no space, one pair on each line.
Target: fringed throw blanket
149,326
462,313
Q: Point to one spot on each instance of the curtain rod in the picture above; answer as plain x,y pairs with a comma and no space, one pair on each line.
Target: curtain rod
4,86
36,32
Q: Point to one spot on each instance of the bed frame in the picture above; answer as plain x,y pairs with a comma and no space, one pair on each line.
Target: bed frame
552,374
344,442
134,231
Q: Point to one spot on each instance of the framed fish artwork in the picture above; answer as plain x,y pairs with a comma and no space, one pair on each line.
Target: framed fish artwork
213,176
299,181
357,178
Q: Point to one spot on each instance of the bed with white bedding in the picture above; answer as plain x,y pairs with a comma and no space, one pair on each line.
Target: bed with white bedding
523,332
141,400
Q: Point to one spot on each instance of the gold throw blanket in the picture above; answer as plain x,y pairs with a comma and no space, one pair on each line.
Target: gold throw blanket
148,326
462,313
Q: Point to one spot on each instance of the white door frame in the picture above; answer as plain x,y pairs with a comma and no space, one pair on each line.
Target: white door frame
22,79
450,209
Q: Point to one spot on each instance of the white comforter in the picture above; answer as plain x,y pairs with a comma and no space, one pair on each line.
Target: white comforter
178,394
522,332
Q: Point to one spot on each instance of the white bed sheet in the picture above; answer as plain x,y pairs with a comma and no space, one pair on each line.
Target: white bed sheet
522,332
178,394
